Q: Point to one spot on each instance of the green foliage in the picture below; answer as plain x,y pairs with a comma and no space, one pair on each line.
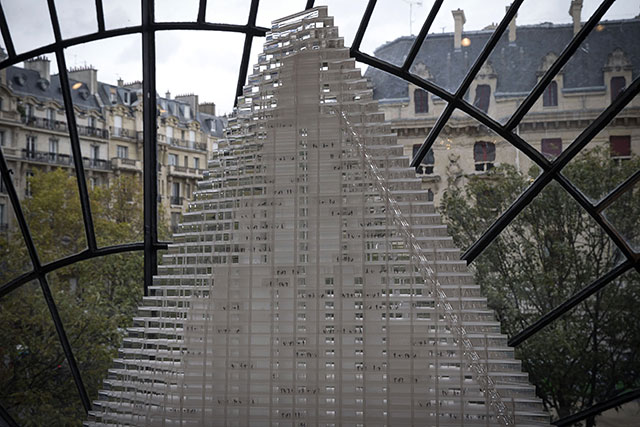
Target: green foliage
548,253
96,299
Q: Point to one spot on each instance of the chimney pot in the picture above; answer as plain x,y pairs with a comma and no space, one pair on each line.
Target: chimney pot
167,95
458,20
575,10
512,28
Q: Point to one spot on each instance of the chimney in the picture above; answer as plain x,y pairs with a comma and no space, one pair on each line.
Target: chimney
512,28
167,95
120,82
575,10
87,75
459,20
41,65
208,108
190,99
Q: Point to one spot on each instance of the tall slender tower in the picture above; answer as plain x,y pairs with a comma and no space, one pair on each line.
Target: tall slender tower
311,282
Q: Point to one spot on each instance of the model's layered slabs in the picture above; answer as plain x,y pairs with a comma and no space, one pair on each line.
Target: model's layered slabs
311,282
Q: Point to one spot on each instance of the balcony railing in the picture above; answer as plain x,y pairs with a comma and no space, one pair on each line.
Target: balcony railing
124,163
94,132
46,157
44,123
60,126
125,133
176,200
63,159
183,143
185,171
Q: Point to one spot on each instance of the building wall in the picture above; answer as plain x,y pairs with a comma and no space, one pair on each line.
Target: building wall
111,140
453,150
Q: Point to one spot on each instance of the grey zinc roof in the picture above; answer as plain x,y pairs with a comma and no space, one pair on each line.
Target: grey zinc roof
28,83
515,64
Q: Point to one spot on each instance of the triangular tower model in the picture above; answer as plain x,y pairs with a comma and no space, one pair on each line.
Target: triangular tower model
311,282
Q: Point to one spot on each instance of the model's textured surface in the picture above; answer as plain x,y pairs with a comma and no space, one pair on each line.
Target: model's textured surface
312,283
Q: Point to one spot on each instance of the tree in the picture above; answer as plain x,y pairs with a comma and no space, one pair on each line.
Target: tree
96,299
550,251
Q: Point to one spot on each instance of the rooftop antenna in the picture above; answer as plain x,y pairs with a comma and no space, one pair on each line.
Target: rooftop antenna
411,3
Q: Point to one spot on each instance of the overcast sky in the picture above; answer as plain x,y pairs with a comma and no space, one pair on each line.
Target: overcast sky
207,63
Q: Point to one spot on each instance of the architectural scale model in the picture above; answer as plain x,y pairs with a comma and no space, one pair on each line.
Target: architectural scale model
311,282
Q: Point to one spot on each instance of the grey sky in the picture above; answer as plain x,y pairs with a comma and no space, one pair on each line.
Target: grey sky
206,63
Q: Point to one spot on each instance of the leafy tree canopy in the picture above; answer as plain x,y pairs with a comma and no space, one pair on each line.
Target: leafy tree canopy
549,252
96,299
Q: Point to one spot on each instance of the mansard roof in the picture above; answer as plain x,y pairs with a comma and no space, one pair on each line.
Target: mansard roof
516,64
28,83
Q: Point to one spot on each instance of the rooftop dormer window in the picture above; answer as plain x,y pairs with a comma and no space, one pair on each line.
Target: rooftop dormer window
187,112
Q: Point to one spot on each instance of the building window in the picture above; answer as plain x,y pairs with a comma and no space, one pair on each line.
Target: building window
123,152
484,154
173,159
196,162
175,193
95,152
483,93
91,121
1,138
2,221
550,96
620,147
426,166
53,149
117,125
421,101
92,183
187,112
126,97
551,147
112,96
31,146
617,86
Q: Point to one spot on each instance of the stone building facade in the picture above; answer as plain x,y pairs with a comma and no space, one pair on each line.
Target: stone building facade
34,134
606,62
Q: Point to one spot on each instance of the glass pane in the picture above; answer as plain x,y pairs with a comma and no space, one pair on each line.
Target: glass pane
36,386
29,24
584,352
346,16
166,11
274,9
97,300
44,175
189,122
14,258
121,13
476,176
447,56
610,158
395,22
624,215
76,18
111,137
589,82
228,11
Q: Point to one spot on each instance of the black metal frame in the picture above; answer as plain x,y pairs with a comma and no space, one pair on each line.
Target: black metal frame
151,245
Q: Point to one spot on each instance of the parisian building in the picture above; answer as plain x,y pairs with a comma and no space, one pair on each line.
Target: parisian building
312,282
34,134
607,61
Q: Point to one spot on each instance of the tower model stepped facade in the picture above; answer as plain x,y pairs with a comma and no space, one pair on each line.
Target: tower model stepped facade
295,292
